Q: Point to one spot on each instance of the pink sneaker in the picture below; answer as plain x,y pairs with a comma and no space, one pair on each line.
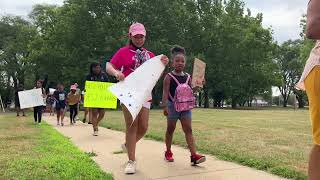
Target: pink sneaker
168,156
197,159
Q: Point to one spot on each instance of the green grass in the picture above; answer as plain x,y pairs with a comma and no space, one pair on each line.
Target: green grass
29,151
274,140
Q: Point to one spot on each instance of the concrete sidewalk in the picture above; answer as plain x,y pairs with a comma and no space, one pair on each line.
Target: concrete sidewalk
150,162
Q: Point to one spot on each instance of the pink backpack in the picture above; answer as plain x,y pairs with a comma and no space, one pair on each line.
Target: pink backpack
183,99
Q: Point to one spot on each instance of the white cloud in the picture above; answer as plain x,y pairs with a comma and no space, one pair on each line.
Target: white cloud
22,7
282,16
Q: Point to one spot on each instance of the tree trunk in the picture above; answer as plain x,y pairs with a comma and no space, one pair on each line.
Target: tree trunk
233,103
285,101
300,99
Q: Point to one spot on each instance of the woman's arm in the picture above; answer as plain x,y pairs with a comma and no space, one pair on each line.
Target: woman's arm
113,72
313,20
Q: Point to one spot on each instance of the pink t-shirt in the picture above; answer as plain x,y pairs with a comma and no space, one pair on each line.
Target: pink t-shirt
128,58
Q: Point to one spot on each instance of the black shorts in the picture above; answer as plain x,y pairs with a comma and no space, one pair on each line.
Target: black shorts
60,106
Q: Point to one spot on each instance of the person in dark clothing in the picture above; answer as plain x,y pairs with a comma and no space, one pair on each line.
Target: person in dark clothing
60,97
37,111
96,114
17,101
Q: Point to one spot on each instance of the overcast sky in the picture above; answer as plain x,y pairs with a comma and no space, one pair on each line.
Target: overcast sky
282,15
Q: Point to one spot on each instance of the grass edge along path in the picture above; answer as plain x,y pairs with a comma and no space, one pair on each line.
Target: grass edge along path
245,159
49,154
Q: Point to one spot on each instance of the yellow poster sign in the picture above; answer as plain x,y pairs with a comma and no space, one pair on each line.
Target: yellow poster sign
97,95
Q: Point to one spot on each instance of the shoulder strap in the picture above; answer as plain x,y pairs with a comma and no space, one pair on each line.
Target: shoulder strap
188,79
174,78
172,99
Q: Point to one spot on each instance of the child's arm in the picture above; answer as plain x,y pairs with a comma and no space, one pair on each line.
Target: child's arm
165,94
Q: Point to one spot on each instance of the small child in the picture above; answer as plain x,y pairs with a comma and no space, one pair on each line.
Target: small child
73,101
60,97
178,100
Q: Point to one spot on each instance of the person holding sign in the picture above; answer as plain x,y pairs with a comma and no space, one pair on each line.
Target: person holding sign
73,101
310,82
60,97
17,102
123,63
96,114
37,111
178,101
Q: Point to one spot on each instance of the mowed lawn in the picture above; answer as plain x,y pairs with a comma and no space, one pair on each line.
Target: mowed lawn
30,151
276,141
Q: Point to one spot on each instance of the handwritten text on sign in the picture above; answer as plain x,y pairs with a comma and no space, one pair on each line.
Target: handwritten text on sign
98,96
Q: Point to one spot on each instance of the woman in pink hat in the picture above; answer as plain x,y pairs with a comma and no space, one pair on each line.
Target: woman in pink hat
123,63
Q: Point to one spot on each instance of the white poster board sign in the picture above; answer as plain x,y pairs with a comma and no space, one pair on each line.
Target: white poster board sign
136,89
31,98
51,91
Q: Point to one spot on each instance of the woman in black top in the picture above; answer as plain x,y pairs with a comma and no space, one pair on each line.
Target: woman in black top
96,114
37,111
17,102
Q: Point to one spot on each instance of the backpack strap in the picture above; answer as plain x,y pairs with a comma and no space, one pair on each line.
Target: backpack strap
188,79
174,78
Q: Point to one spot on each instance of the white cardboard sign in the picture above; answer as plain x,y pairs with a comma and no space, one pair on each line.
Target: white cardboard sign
136,89
31,98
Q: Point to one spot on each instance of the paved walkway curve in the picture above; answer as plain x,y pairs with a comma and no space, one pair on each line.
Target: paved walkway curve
150,162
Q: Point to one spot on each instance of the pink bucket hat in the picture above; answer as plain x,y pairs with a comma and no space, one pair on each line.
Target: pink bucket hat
137,28
73,87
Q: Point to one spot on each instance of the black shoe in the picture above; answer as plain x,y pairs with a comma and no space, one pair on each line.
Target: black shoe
89,122
84,120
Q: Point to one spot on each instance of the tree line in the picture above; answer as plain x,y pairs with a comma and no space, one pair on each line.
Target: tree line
243,60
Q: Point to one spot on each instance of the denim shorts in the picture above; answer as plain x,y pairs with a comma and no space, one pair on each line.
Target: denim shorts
174,115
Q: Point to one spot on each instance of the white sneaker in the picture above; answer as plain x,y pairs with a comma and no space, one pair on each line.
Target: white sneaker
58,124
95,133
130,167
124,148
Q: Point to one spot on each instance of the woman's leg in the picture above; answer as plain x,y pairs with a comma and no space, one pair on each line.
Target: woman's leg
101,113
86,111
94,119
143,119
76,110
18,111
62,113
35,114
131,133
90,115
58,116
71,113
40,111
